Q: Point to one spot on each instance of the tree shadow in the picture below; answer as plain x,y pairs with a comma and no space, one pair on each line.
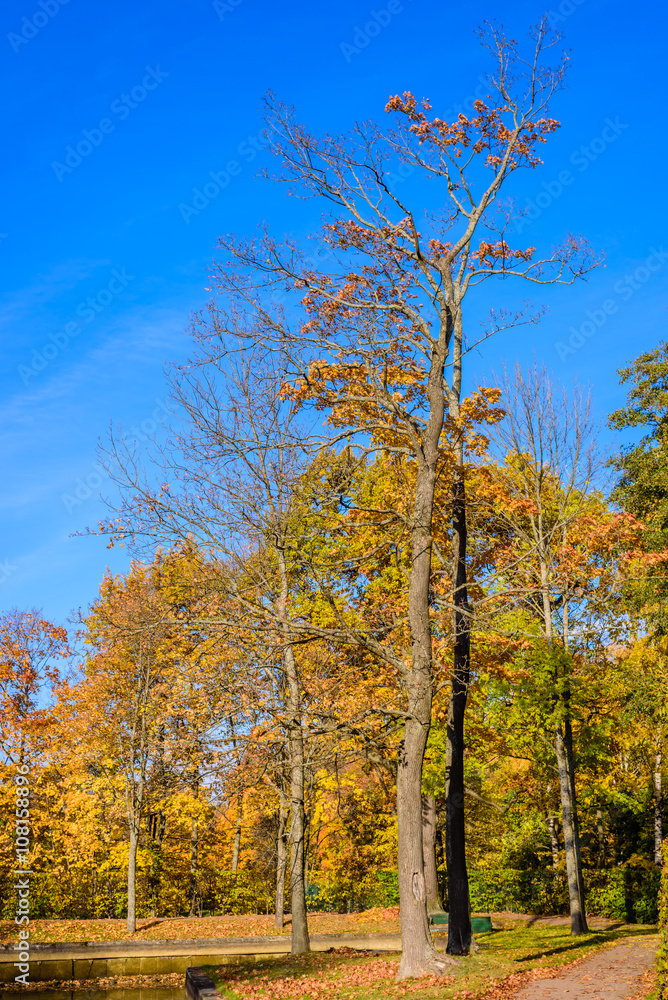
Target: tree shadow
610,934
151,923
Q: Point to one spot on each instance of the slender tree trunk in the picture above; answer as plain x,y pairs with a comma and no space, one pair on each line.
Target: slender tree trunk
433,895
568,740
281,861
418,955
132,877
569,822
600,832
300,936
459,922
237,835
658,801
194,851
554,840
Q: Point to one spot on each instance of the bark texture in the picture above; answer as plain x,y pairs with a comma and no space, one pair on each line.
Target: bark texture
236,847
418,956
281,861
571,833
429,819
131,924
554,840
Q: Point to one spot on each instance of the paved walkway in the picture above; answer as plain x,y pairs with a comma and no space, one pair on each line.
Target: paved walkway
612,974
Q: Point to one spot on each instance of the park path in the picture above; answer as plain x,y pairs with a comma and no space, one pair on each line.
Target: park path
612,974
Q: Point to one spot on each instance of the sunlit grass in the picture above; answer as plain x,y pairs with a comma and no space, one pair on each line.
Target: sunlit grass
521,950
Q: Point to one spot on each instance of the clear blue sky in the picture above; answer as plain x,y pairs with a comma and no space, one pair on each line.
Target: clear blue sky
100,270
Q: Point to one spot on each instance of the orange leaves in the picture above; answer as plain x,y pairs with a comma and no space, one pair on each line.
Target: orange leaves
513,142
334,977
488,253
30,650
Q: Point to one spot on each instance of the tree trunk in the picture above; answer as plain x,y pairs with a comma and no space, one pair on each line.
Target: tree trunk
568,740
433,895
418,955
132,878
194,848
281,861
600,832
237,835
459,922
554,840
658,802
300,936
569,823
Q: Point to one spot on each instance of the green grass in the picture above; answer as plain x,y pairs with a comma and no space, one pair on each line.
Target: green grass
519,947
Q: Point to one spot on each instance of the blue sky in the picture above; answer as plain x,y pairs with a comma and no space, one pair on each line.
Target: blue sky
101,264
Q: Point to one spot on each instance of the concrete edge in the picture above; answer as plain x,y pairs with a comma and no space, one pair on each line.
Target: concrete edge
200,986
200,946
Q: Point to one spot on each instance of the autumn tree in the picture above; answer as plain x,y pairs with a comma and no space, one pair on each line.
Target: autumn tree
381,343
642,486
138,705
32,651
564,567
230,483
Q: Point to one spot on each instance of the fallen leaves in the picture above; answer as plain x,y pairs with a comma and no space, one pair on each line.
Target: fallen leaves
171,980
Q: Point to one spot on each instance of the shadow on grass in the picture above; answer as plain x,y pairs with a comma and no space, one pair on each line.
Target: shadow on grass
617,933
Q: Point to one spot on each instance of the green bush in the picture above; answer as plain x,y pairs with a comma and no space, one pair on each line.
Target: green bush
662,953
338,894
629,894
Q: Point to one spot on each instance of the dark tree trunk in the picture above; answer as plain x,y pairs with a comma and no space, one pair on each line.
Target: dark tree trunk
459,922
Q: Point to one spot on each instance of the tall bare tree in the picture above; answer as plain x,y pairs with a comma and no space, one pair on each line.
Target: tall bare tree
380,345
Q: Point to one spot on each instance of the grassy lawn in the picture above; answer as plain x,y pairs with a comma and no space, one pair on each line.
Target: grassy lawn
248,925
506,960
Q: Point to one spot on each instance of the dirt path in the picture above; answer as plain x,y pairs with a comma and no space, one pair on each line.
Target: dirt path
612,974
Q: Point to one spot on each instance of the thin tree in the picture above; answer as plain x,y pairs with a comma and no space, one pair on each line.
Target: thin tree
562,563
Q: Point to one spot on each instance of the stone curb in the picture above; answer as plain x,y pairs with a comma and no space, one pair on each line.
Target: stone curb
199,986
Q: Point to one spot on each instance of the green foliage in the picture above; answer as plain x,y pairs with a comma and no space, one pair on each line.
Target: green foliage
334,892
642,488
662,953
628,894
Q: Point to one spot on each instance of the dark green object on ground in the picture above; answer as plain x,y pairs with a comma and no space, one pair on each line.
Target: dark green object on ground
479,925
